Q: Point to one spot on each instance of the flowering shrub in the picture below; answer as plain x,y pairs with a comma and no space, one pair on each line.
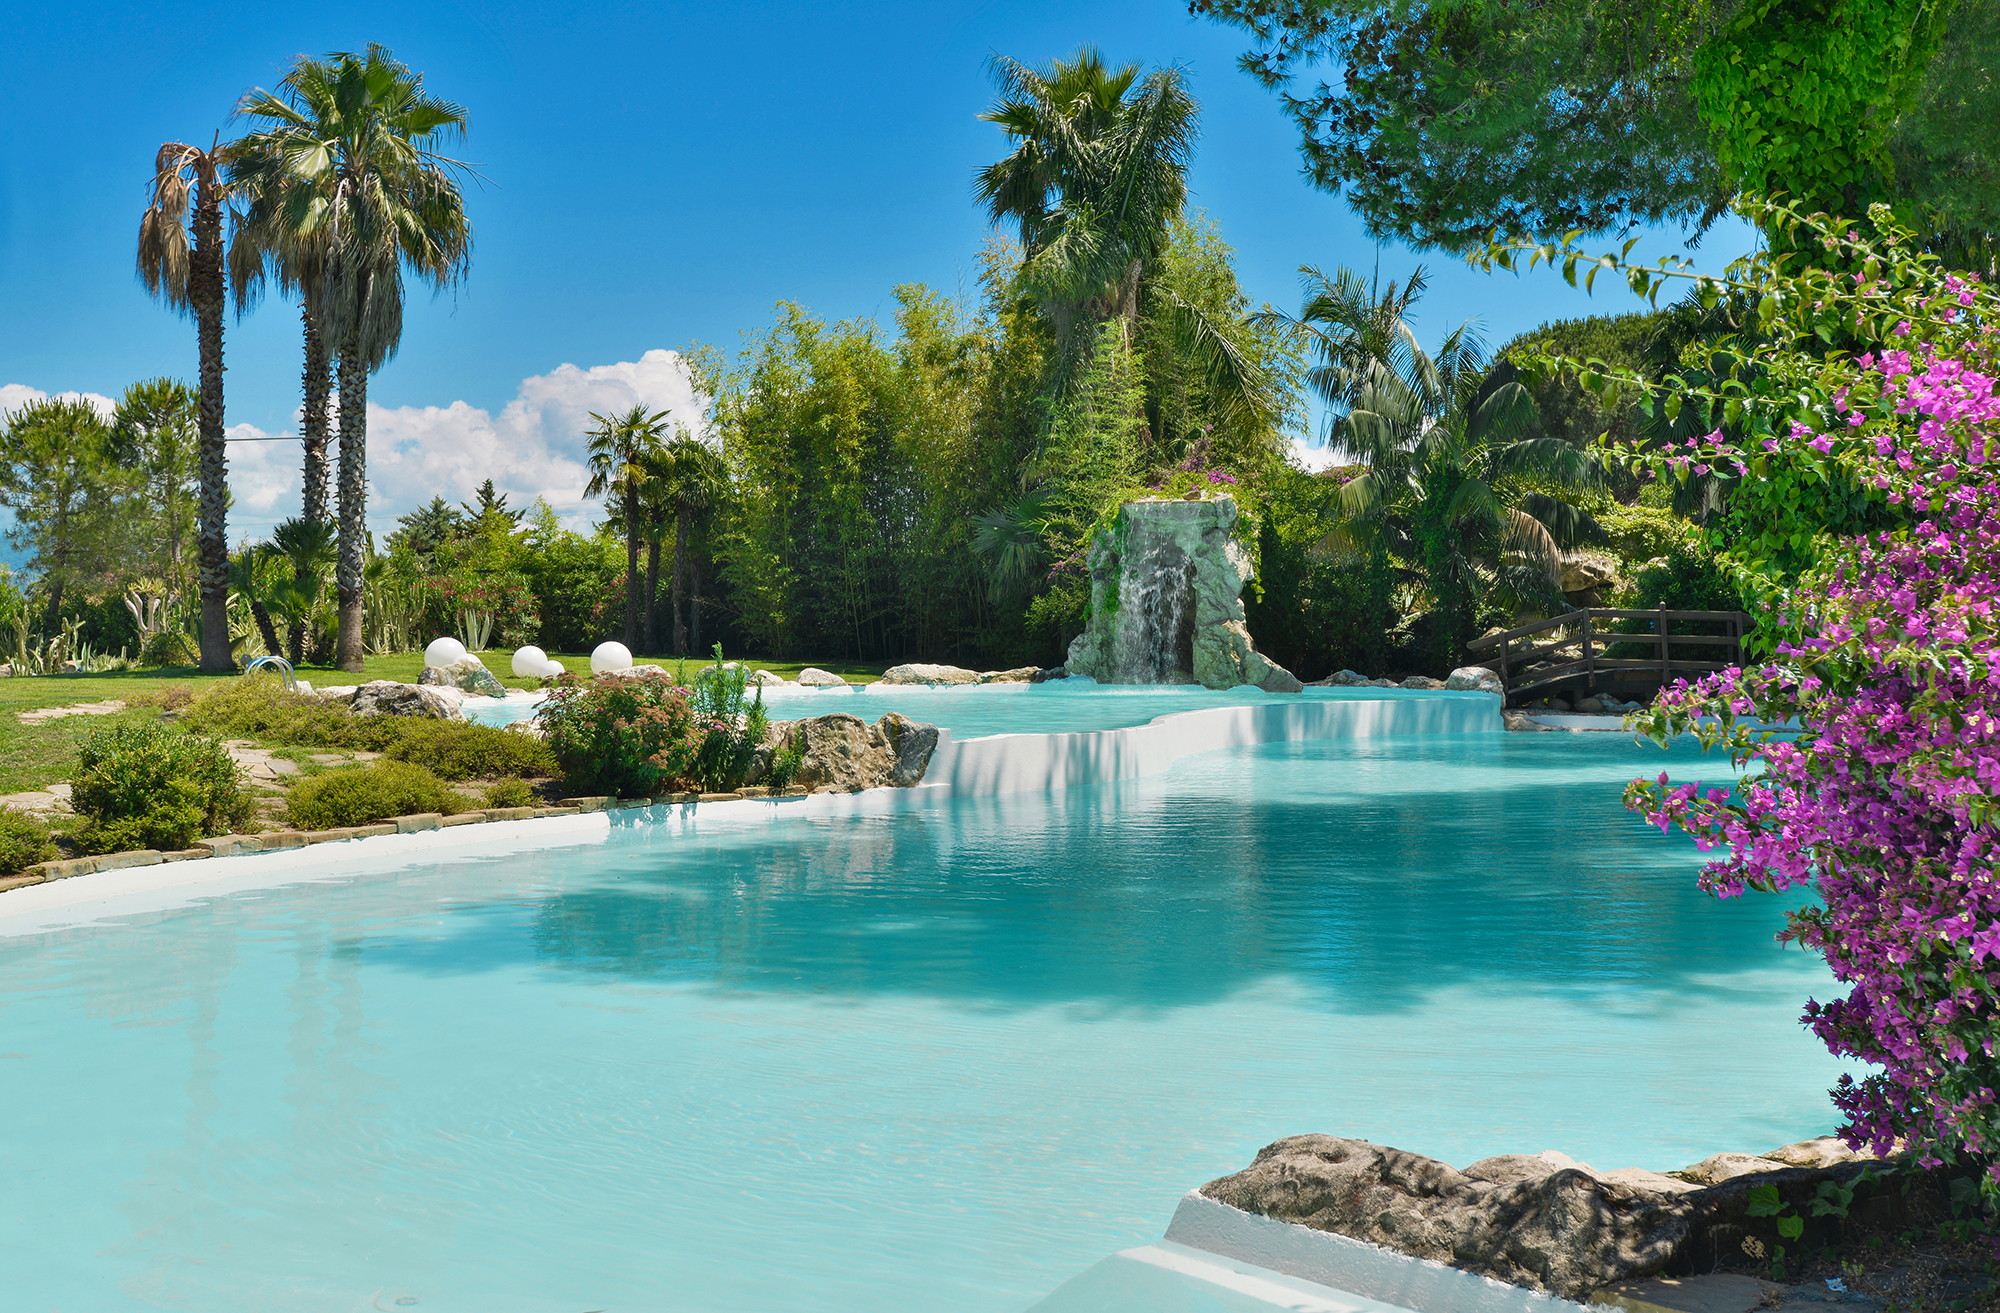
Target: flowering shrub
623,735
1882,652
503,595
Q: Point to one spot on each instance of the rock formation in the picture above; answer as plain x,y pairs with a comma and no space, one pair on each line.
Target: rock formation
386,697
1165,601
814,677
840,753
1544,1221
468,674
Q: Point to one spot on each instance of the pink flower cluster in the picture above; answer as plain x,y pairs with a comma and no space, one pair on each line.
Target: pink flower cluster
1884,798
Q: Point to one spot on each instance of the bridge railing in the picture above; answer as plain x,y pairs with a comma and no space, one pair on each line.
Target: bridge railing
1575,647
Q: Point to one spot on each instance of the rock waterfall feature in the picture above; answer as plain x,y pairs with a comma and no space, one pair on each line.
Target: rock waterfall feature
1166,607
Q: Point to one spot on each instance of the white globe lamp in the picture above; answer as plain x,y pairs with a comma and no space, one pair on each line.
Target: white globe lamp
443,651
530,663
609,657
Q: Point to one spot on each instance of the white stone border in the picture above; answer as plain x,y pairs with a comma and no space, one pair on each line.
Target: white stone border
1003,763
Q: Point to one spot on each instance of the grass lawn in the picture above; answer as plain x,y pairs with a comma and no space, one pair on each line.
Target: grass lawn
35,756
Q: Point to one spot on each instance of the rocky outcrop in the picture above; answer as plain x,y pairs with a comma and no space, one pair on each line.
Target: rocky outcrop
840,753
1018,675
919,673
1166,606
1474,679
1545,1221
814,677
386,697
1423,684
467,674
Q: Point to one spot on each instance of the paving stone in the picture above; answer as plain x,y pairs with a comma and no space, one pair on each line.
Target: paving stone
231,845
36,717
420,821
275,840
65,869
465,818
510,813
718,797
329,836
19,881
557,811
372,831
627,804
185,855
591,804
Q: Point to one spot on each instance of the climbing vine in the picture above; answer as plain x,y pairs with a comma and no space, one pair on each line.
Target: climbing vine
1801,94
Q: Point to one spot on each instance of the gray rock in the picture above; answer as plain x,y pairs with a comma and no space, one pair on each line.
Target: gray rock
1545,1221
1591,705
1342,679
1383,683
920,673
841,753
1423,683
767,679
1166,604
386,697
468,674
1474,679
1720,1167
1019,675
1520,723
1051,672
814,677
1585,571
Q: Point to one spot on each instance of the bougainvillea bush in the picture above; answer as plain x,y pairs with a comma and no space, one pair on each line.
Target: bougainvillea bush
1875,373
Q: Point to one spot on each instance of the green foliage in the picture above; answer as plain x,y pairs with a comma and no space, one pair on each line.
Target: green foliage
362,795
628,736
24,841
731,728
784,769
152,786
1315,614
1801,98
575,584
60,476
1642,533
1687,578
455,749
510,793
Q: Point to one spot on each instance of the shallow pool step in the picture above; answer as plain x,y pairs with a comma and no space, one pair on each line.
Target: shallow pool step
1171,1278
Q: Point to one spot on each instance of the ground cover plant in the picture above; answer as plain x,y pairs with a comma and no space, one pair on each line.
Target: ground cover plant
362,795
1867,403
155,786
24,841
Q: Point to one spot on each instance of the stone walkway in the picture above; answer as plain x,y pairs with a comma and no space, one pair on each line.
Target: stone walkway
55,798
110,708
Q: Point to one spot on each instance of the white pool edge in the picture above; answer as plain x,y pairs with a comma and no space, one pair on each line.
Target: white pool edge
993,765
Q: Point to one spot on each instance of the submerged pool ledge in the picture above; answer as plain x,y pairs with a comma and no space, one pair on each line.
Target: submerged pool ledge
987,766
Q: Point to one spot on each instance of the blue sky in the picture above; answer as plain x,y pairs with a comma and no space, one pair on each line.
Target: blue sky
655,176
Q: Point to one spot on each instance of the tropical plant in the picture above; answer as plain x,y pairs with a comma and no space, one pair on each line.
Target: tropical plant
1095,179
309,547
624,451
181,261
348,150
689,479
253,577
1452,484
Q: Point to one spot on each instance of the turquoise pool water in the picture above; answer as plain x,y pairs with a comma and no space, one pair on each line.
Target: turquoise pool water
1063,707
943,1057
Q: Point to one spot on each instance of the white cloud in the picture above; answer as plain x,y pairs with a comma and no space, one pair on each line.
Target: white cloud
1313,457
533,448
15,395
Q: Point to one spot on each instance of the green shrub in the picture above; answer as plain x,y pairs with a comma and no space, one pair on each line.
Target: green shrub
784,768
731,730
24,840
365,794
154,786
624,735
460,750
510,793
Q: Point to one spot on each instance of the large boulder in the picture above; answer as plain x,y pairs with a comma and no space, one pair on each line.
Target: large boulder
1342,679
1018,675
920,673
1585,571
1544,1221
1474,679
467,674
386,697
814,677
840,753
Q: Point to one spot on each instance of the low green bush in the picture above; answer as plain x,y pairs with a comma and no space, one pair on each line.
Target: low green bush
510,793
625,735
24,840
454,749
155,786
362,795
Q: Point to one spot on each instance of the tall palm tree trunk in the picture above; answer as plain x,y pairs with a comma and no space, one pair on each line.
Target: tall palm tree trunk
348,650
680,566
631,564
694,611
318,381
653,594
205,289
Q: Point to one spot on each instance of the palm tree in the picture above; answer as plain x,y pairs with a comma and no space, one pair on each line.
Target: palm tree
181,261
310,547
348,155
1349,327
1096,176
624,451
1452,486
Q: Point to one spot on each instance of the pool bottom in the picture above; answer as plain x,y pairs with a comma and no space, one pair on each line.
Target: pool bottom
941,1058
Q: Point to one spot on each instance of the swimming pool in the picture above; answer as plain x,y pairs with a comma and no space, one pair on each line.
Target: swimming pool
980,710
937,1056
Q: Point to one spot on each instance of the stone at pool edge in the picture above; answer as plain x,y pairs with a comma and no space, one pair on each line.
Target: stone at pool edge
468,674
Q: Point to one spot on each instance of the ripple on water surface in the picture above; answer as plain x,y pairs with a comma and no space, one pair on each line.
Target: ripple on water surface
938,1058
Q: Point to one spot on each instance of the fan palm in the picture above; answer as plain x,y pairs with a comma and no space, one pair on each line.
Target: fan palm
181,261
1096,175
624,451
689,480
1348,327
310,547
349,153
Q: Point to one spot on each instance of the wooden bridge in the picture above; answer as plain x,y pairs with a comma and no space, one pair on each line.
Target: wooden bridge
1576,653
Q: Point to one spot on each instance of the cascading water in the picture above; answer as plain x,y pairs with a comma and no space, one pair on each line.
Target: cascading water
1165,604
